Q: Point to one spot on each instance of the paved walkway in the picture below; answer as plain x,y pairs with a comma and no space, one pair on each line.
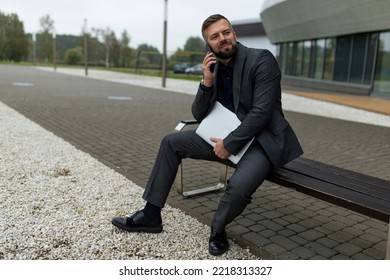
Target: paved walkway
121,123
368,103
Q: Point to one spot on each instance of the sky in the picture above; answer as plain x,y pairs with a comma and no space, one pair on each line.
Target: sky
142,19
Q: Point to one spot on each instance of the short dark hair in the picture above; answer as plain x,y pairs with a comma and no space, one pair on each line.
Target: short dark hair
210,20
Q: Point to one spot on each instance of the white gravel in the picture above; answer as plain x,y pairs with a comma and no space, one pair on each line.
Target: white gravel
57,203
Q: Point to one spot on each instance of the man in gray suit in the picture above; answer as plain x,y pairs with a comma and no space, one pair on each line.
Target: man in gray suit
247,82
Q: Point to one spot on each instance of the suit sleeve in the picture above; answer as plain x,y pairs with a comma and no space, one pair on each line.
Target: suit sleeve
202,103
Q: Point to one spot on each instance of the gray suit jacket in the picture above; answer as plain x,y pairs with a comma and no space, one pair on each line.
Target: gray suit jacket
257,103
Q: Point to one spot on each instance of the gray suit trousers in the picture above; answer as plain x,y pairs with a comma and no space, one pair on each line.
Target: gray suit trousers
249,174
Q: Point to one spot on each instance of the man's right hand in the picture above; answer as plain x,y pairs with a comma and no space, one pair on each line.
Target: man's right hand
208,76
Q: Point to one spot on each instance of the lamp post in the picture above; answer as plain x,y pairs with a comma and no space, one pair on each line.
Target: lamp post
164,58
85,47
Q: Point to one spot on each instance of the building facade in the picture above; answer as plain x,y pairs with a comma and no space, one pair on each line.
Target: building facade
336,45
251,33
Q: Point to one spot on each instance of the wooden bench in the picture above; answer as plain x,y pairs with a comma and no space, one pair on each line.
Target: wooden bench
361,193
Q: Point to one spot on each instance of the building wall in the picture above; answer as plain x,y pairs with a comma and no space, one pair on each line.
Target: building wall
338,45
251,33
293,20
258,43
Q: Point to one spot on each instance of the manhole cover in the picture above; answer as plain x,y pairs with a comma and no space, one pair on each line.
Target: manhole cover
119,98
21,84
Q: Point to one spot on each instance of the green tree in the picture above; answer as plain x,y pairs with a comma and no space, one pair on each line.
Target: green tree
114,50
125,51
107,42
14,43
148,56
73,56
194,44
193,52
111,45
96,47
66,42
147,48
45,38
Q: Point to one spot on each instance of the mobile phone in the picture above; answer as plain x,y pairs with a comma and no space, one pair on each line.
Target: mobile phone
208,49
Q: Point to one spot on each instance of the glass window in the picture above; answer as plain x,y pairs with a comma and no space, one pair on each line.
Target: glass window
358,57
298,58
306,59
278,52
382,71
330,47
282,57
289,59
371,53
343,51
319,58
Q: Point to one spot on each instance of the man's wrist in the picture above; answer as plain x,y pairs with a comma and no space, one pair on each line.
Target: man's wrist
204,86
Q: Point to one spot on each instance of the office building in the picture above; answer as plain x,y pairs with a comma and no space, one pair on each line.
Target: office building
335,45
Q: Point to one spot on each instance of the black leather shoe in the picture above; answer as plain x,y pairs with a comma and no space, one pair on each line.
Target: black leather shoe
138,223
218,242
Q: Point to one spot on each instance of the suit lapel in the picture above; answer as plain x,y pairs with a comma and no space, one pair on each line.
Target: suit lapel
237,75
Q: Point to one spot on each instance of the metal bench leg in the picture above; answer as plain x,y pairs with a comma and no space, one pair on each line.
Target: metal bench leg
388,243
223,170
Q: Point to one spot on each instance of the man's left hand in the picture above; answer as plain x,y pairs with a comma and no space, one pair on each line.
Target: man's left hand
219,148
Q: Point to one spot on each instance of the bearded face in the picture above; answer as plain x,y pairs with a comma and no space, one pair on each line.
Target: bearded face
226,49
221,39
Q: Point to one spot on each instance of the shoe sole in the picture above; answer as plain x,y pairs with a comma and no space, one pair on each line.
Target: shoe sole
139,229
218,253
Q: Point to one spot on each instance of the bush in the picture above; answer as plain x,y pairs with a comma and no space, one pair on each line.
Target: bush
73,56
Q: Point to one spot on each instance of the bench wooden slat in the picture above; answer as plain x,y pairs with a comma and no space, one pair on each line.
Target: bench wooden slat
359,177
364,184
368,205
348,173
